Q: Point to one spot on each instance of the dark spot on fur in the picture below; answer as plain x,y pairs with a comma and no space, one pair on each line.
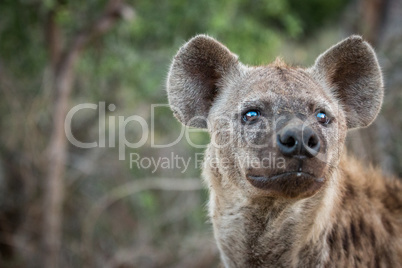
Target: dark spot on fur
372,237
331,238
362,226
387,259
392,201
377,260
350,192
387,224
345,242
355,236
283,74
358,260
369,193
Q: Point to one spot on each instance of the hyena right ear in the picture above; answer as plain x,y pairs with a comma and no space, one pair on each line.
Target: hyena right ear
350,72
196,73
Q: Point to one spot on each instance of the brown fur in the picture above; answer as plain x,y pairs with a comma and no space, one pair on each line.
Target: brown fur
322,211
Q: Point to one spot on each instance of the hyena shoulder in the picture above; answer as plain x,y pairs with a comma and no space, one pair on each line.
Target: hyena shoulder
367,224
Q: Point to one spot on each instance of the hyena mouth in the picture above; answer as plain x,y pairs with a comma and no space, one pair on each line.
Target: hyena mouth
288,184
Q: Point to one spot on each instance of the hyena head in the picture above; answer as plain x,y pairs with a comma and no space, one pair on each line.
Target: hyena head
275,130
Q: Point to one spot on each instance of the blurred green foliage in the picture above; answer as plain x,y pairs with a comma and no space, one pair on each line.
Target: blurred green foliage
129,64
137,52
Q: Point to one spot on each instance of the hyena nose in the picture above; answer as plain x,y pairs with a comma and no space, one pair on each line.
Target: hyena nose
298,141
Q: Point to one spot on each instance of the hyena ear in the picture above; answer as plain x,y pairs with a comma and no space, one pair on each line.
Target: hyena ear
350,71
196,73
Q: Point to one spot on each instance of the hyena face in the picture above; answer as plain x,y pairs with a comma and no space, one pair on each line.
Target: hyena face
275,130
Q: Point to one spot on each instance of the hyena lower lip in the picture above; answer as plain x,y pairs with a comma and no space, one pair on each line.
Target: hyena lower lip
288,184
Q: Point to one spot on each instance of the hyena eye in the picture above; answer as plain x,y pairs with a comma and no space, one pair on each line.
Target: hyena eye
251,115
322,117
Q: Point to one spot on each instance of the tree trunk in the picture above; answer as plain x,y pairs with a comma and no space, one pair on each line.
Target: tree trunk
56,155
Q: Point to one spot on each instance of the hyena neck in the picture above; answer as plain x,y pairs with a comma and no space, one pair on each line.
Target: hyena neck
253,232
350,221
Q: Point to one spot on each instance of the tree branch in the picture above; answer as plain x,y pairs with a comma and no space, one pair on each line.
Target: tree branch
115,10
63,77
53,38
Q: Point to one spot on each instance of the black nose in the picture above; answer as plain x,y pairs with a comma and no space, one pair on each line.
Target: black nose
301,141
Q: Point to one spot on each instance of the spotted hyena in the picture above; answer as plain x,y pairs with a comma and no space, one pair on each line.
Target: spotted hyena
283,192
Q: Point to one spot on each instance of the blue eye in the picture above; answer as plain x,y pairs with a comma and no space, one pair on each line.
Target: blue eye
251,115
322,118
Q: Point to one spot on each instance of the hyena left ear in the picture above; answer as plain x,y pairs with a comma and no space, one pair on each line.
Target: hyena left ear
197,72
350,71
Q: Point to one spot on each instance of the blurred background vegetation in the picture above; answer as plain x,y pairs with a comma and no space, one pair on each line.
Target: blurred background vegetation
62,206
